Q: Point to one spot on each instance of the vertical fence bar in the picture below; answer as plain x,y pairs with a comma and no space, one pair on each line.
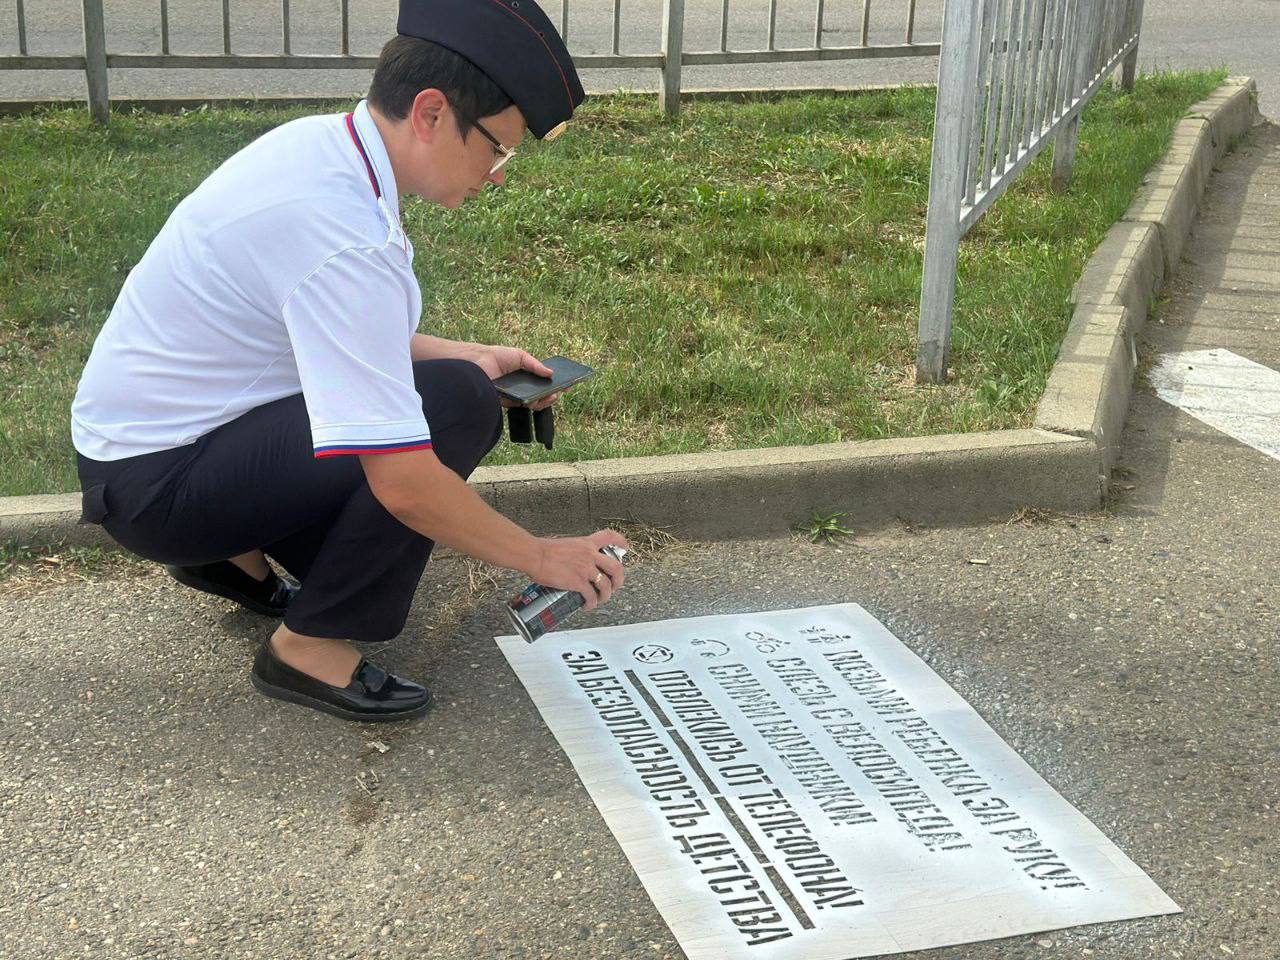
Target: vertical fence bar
672,49
226,26
1124,27
1048,50
986,60
994,93
911,21
1104,18
617,25
1064,145
22,30
957,98
1101,53
1129,70
866,20
95,61
1118,16
1053,101
164,26
1071,44
1106,35
1043,103
1008,94
1091,41
284,25
1066,44
724,25
1020,83
1033,74
817,23
773,21
1108,30
564,21
346,27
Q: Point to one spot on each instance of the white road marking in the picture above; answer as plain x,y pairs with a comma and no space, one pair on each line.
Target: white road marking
1225,390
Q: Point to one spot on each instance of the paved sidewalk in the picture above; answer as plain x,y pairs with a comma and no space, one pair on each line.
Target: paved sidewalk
152,804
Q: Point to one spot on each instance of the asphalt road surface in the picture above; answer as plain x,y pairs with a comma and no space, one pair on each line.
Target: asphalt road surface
1240,34
152,804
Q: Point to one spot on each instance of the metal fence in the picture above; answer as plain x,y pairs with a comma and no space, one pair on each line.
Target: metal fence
96,60
1013,76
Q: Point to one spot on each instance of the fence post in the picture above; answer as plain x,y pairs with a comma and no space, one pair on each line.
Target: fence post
1129,69
95,61
954,117
1085,67
672,51
1064,154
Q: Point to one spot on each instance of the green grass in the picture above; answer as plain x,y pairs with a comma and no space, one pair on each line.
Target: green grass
824,527
746,276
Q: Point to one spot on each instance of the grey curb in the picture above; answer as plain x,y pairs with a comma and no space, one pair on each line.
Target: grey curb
1088,392
952,478
1061,464
46,518
1126,269
928,480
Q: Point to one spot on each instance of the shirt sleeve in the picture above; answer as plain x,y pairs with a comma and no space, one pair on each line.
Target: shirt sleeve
348,322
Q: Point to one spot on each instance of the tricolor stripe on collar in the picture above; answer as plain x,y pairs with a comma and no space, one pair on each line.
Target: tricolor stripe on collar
392,219
364,155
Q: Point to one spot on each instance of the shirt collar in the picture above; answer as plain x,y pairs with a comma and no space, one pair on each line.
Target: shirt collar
377,152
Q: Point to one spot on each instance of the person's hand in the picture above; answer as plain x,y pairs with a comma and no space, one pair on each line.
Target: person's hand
576,563
499,361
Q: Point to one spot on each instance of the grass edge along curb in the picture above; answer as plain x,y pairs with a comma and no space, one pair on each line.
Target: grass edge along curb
1062,464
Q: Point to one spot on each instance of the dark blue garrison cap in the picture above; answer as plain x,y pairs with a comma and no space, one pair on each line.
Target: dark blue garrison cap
514,44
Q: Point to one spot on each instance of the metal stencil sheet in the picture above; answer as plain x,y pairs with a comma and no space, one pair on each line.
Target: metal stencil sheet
798,784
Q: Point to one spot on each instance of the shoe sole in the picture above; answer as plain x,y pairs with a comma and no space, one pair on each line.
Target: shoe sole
293,696
235,596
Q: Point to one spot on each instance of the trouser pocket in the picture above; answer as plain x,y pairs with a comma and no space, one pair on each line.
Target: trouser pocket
93,504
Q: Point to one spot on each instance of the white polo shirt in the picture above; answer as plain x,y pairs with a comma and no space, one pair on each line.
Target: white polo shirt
281,273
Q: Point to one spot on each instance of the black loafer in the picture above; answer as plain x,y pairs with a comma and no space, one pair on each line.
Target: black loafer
372,695
269,597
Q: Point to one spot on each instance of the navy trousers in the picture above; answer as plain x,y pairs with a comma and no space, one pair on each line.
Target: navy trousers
254,483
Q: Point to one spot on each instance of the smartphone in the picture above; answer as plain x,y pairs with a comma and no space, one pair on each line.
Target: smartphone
525,388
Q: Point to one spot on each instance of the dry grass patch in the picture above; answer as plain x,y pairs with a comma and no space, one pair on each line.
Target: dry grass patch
25,572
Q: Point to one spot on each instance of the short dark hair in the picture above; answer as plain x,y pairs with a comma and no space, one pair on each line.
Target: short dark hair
409,65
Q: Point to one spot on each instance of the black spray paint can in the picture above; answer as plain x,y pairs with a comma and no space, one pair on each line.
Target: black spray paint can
536,609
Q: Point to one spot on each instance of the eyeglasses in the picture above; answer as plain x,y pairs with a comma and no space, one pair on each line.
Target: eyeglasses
505,153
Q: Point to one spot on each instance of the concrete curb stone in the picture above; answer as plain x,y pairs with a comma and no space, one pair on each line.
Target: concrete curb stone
1232,110
1127,268
1190,152
1171,192
47,518
1088,392
952,478
1089,389
546,496
1062,464
957,478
